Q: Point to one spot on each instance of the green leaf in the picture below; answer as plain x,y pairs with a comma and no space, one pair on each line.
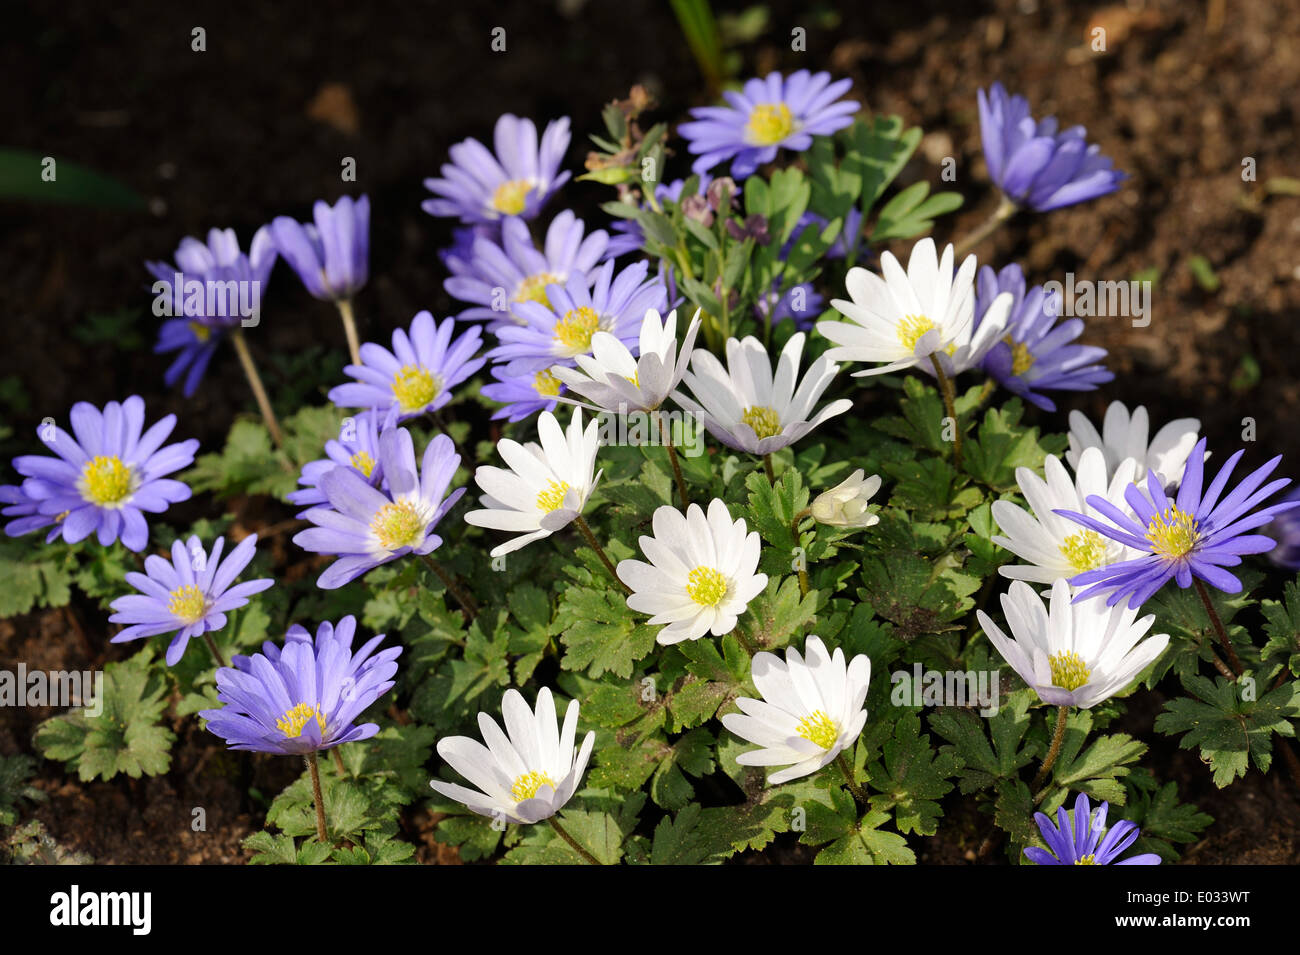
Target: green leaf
678,840
1229,730
910,777
910,213
1283,628
125,737
599,632
33,577
32,176
1155,809
987,759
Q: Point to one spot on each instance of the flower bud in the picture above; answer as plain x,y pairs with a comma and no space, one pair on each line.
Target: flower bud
845,505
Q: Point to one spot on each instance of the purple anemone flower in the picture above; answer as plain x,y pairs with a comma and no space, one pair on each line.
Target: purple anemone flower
305,697
1087,841
556,334
107,476
1285,528
190,594
525,395
1194,536
1035,165
331,254
766,115
799,303
212,287
366,527
480,187
25,513
417,375
500,274
1036,354
357,447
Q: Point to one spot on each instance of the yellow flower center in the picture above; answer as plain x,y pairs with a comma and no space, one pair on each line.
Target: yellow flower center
187,604
1085,550
1173,533
770,123
820,729
706,586
511,197
293,721
1022,359
911,328
363,462
1069,672
763,420
574,331
414,387
533,288
106,481
546,384
551,498
1086,860
397,525
526,786
200,331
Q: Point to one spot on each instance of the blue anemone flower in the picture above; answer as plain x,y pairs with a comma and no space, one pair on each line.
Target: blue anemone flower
304,697
1194,536
1033,163
1086,841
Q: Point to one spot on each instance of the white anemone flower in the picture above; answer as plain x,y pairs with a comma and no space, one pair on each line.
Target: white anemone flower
1124,435
525,774
1073,654
1053,545
845,504
701,574
904,318
547,485
748,407
811,709
613,380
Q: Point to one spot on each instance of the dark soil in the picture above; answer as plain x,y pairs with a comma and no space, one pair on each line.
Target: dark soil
258,124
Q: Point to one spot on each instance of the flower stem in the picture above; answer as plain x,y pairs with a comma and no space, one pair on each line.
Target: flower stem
950,405
255,381
317,798
216,654
667,433
990,386
794,531
1005,210
1057,737
859,793
587,857
1233,660
600,551
463,597
767,467
350,329
338,761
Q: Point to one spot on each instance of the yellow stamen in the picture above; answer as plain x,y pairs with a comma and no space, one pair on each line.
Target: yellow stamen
546,384
763,420
1085,550
551,498
187,604
293,721
363,462
911,328
770,123
510,198
533,288
398,525
1086,860
820,729
106,481
1173,533
574,331
1022,359
414,387
1069,672
706,586
200,331
526,786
